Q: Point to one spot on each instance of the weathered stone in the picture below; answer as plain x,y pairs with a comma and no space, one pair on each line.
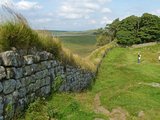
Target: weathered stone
18,84
2,72
45,65
45,90
1,99
1,118
43,55
28,80
30,59
14,73
38,84
48,80
45,81
33,79
11,58
1,106
22,92
9,86
45,73
52,73
48,63
28,70
39,75
54,63
35,68
1,87
30,88
9,107
23,82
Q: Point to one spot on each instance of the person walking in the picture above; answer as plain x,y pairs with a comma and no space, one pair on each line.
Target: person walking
139,57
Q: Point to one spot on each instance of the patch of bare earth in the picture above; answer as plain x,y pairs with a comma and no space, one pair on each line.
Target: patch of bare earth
115,114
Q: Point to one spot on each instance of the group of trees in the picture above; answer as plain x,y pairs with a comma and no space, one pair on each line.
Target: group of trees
131,30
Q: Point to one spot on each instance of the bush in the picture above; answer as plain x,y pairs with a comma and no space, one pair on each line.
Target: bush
103,39
49,43
17,34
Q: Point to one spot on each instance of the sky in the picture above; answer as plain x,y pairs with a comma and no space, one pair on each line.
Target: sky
78,15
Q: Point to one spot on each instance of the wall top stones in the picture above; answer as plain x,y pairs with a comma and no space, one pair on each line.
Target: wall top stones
16,59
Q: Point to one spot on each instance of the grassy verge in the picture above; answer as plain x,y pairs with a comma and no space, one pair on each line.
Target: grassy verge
97,55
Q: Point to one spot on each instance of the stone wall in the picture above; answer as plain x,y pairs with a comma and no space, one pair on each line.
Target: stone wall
26,76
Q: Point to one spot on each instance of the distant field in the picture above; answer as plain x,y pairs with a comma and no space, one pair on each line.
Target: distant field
81,43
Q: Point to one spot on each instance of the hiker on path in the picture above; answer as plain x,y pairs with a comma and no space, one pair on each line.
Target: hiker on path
139,57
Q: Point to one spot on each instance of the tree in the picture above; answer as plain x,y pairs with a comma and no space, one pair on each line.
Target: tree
112,28
149,28
132,30
127,38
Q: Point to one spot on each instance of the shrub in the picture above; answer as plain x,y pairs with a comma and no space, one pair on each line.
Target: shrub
49,43
17,34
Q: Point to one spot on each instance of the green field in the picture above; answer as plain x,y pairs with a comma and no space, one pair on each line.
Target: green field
81,43
123,87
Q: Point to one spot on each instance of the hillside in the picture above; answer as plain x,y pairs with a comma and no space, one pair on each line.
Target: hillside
81,43
123,89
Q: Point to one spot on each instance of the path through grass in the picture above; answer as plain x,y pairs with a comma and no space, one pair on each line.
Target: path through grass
121,87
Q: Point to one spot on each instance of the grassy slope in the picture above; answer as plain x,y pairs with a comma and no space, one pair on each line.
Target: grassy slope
81,45
118,82
119,79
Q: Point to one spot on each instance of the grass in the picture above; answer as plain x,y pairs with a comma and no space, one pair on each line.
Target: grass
82,45
118,82
97,55
119,79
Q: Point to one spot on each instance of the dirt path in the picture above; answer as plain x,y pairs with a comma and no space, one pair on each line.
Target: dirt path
144,45
116,114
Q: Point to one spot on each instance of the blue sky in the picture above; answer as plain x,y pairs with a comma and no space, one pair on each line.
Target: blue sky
79,14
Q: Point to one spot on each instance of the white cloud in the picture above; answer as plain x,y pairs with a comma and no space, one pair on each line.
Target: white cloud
21,5
156,12
43,20
106,10
71,9
27,5
105,20
103,1
6,2
93,22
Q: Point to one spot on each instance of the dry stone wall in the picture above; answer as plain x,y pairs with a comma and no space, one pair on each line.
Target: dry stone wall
26,76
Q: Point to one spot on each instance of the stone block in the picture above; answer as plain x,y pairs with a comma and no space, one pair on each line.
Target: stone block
18,84
14,73
9,86
43,55
28,70
1,87
30,59
22,92
11,58
2,72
